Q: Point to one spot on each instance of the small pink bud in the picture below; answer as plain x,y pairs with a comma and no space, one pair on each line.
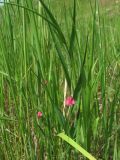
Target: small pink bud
69,101
39,114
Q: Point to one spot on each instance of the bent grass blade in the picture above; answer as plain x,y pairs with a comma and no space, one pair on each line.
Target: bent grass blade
76,146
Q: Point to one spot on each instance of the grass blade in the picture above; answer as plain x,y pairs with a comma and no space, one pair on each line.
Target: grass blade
76,146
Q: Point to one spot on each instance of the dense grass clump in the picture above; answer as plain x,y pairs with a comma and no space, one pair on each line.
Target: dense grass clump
59,72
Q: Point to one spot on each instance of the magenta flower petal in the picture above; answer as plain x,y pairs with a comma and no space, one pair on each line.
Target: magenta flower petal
69,101
39,114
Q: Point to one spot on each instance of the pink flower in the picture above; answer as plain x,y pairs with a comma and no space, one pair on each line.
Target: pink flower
39,114
69,101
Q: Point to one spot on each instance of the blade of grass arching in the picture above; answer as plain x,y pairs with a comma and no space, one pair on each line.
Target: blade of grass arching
81,79
72,37
54,23
58,29
76,146
35,27
62,59
31,11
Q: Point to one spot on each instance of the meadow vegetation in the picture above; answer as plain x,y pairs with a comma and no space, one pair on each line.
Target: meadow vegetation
59,73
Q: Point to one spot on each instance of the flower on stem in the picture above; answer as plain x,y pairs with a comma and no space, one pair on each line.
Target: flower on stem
39,114
69,101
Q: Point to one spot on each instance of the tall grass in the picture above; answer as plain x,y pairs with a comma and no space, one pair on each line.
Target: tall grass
49,52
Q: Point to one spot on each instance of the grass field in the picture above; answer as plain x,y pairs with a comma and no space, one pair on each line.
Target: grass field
60,80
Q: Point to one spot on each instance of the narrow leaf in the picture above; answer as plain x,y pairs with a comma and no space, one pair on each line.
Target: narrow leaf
72,37
76,146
